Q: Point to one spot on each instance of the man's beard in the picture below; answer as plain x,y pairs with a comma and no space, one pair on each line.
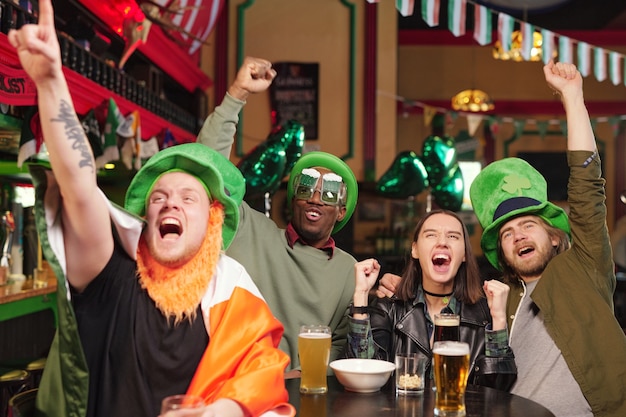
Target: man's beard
177,292
534,268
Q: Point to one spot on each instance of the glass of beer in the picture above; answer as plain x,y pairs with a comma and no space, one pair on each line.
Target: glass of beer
182,405
447,327
314,352
451,366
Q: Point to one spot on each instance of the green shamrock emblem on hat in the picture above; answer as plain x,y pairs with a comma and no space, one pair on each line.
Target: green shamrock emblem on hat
514,184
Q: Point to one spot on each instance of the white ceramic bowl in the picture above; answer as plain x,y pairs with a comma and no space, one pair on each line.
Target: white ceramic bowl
362,375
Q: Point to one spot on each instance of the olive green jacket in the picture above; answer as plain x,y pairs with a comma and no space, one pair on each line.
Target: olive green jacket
575,295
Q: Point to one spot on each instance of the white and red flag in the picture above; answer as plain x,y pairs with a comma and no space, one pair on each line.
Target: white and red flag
482,25
584,58
456,16
528,39
547,47
405,7
505,30
599,64
615,67
565,50
430,11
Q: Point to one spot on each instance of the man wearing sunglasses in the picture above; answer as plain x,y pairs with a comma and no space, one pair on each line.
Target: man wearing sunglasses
303,277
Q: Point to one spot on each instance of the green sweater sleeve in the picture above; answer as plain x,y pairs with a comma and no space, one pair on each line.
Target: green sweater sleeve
218,130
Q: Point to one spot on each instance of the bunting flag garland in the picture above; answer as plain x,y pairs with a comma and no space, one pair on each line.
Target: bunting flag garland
494,122
456,16
450,119
406,7
506,23
505,30
430,11
429,113
519,127
599,67
473,121
149,148
113,119
547,48
168,139
563,124
614,122
482,25
615,67
528,38
494,125
542,127
584,58
131,148
31,137
565,50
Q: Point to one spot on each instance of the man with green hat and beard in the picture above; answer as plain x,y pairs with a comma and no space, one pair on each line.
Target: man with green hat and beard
569,348
302,275
149,307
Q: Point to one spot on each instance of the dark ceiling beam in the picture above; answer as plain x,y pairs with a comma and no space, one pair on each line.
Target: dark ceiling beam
419,37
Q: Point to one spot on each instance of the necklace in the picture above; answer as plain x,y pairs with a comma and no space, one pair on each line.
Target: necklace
445,300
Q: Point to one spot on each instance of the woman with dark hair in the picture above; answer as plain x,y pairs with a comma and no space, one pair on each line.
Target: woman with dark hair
442,276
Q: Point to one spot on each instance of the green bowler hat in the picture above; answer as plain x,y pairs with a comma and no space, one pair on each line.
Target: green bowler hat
506,189
336,165
220,177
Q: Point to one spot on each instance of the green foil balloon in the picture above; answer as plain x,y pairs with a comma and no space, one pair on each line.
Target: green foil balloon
448,194
291,135
406,177
439,156
264,168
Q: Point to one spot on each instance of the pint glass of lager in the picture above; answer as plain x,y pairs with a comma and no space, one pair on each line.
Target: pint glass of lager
451,366
314,352
447,327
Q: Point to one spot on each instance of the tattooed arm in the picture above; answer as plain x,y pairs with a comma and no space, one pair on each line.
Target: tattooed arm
86,224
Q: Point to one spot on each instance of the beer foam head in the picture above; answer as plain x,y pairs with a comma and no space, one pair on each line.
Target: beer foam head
447,321
449,348
315,335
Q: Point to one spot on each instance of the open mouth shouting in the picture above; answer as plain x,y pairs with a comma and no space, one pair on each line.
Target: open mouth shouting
441,262
170,228
525,251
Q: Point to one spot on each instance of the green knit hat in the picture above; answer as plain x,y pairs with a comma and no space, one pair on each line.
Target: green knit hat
510,188
336,165
220,177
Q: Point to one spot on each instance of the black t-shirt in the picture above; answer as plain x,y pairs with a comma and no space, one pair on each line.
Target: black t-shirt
135,357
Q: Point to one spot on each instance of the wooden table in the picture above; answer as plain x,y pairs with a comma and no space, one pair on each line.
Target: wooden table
20,299
479,402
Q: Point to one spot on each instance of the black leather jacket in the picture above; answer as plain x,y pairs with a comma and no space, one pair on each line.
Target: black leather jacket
399,326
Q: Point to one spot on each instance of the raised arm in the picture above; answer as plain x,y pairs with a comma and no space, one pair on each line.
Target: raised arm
566,81
218,130
86,225
365,276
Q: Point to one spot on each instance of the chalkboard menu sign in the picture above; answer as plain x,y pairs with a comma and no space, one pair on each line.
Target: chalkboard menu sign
294,95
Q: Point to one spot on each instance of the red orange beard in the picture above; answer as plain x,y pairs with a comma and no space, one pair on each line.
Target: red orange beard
177,292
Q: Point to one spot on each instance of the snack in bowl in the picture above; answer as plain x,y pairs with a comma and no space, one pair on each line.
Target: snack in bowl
362,375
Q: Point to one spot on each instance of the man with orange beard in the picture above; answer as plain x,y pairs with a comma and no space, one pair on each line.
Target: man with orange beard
149,308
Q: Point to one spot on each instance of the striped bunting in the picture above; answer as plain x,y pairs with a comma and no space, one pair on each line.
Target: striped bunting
584,58
482,25
456,16
505,29
430,11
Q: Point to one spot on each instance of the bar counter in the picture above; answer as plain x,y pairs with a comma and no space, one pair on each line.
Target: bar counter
20,298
